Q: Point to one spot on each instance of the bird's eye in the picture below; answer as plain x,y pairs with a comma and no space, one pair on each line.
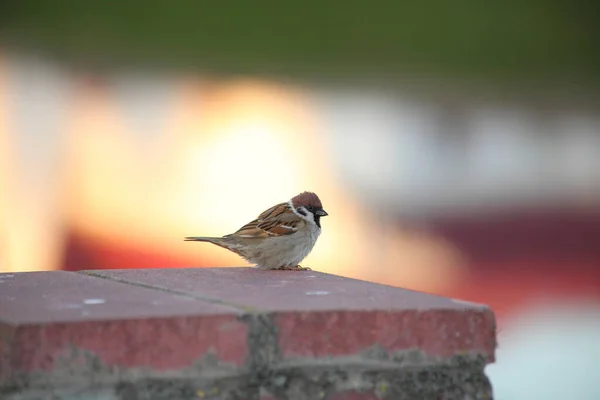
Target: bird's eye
310,208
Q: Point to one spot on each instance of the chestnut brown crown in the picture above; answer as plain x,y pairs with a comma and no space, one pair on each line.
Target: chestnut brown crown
307,199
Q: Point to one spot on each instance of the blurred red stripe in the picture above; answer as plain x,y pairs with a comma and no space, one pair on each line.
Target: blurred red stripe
90,253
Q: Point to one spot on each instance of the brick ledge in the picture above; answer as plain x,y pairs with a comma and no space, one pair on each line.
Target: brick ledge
236,329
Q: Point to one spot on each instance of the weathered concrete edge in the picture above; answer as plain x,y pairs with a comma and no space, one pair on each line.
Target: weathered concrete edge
315,378
375,369
316,381
81,370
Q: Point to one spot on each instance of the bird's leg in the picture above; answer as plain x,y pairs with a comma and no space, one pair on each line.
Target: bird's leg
294,268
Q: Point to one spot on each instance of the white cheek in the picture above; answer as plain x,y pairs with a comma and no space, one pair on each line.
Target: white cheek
308,217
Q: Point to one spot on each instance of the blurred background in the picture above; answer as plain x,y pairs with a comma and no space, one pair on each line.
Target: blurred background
456,147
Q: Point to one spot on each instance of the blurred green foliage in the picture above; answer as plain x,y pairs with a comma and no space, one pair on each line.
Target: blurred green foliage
530,39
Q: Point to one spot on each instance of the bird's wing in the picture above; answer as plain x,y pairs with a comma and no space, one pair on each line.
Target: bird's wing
278,220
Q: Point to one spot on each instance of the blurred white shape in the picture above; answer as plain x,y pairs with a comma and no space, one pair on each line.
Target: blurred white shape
94,301
363,126
383,145
145,102
401,156
549,353
37,95
504,155
577,162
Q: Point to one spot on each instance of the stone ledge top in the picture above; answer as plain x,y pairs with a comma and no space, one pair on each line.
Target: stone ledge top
60,296
38,297
250,288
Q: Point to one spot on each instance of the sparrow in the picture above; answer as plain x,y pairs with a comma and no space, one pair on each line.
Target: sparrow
280,237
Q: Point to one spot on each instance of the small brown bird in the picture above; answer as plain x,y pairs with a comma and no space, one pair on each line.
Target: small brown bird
280,237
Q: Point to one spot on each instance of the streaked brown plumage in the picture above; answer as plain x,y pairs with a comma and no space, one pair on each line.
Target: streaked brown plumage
280,237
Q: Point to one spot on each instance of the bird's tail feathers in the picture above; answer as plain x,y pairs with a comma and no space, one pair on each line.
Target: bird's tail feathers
216,240
219,241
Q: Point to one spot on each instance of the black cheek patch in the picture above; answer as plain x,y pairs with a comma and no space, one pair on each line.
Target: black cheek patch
317,220
301,211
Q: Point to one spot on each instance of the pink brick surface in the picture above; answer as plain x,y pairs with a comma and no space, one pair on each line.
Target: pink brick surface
59,296
437,333
284,290
160,344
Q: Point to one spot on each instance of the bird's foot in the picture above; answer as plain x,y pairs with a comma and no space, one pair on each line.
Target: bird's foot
294,268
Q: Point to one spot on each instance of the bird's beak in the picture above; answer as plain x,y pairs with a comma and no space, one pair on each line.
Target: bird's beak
321,213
